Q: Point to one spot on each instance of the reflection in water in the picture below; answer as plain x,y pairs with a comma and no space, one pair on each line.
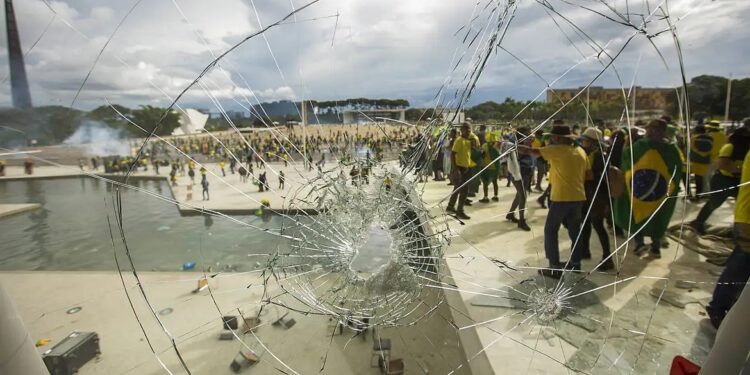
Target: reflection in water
70,231
38,232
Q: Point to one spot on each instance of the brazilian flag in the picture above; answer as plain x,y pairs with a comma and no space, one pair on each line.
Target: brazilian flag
654,176
490,158
701,148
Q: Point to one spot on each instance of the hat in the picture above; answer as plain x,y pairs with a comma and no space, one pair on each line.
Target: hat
562,131
491,137
593,134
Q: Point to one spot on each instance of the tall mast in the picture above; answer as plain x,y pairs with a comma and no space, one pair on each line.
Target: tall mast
18,83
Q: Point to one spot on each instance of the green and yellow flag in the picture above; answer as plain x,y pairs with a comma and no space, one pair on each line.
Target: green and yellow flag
652,178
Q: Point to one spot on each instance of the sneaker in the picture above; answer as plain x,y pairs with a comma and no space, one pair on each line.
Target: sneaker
511,217
462,215
542,201
523,226
642,248
555,274
484,200
572,267
607,265
698,227
495,199
714,317
653,255
450,209
467,203
467,200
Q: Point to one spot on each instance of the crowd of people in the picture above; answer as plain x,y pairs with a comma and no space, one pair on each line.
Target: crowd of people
625,178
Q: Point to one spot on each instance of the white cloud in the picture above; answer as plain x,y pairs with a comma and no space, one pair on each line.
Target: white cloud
387,48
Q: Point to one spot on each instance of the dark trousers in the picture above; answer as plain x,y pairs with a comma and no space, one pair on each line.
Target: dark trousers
519,202
728,188
541,170
460,188
698,184
598,224
559,213
732,279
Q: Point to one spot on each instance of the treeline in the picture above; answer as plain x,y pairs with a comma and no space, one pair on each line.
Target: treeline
707,98
708,95
54,124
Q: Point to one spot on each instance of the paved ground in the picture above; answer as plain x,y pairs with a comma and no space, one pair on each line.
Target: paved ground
622,309
227,193
624,329
12,209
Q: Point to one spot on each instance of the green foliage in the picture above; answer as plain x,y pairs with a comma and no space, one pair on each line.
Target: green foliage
708,94
47,125
419,114
148,117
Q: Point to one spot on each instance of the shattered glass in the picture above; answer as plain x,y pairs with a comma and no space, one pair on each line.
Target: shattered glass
377,258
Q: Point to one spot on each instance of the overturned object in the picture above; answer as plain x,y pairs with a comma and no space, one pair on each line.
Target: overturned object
71,353
243,360
283,322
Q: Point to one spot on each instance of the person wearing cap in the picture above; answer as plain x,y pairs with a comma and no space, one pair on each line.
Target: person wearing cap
725,180
737,270
651,186
568,171
461,165
597,198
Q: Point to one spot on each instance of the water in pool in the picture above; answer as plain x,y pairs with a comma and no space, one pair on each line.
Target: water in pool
70,231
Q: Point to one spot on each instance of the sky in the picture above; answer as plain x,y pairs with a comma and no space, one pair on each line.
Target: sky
147,52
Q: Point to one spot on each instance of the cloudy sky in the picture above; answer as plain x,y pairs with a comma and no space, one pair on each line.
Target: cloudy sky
384,48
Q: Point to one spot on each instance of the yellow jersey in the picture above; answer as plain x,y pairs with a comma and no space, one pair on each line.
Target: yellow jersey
567,173
742,210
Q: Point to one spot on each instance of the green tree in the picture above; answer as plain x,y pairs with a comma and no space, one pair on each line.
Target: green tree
149,117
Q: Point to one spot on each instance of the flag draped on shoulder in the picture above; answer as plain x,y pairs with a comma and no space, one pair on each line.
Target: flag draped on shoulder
653,176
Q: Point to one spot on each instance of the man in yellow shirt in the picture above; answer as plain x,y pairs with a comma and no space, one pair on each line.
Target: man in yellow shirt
568,171
461,165
737,270
726,178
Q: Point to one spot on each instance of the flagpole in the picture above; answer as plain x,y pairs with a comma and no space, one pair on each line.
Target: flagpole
729,97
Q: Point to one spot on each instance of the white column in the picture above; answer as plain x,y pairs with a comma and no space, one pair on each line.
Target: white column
17,352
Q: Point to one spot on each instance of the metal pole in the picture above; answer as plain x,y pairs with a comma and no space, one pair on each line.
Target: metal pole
729,97
304,134
17,352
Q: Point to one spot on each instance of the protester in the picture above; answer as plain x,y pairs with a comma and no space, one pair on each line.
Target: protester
204,184
539,162
655,178
725,180
567,174
737,269
519,175
596,207
281,180
490,166
461,171
701,145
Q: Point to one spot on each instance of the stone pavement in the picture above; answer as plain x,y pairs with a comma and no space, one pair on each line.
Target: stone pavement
614,324
493,263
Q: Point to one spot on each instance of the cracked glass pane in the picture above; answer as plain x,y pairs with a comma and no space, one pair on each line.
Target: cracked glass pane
191,186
